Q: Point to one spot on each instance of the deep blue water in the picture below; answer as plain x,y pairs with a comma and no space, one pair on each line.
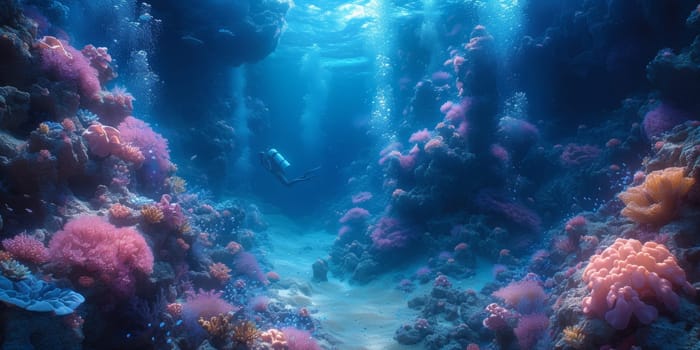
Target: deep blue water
471,161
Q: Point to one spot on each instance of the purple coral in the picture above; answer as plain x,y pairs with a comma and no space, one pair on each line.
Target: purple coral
389,234
663,117
154,147
354,216
66,63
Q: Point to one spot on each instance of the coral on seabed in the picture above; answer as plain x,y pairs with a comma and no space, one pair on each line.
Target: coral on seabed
626,276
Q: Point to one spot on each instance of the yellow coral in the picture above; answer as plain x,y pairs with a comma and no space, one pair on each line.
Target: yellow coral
43,128
656,201
245,332
218,327
574,336
152,214
177,184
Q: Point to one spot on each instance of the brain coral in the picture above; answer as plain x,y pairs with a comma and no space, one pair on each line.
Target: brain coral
629,278
656,201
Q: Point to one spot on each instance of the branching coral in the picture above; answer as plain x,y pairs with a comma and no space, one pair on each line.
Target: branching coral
245,332
274,338
656,201
574,336
152,214
218,326
220,272
221,329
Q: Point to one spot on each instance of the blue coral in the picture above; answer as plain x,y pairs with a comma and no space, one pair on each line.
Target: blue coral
33,294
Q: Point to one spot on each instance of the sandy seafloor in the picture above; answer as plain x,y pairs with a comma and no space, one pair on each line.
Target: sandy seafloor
358,317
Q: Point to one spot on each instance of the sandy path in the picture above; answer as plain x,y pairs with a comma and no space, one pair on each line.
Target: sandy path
360,317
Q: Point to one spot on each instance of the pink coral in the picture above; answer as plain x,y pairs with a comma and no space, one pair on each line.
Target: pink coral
456,114
153,146
101,61
663,117
575,155
204,304
420,136
103,140
26,248
389,234
498,317
627,275
246,264
361,197
66,63
113,106
298,339
526,296
354,215
529,330
88,245
173,216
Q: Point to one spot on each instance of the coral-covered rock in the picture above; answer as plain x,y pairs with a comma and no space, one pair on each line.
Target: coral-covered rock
677,75
16,36
14,105
679,149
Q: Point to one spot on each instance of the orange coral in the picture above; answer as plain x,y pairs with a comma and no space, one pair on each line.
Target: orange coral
233,247
119,211
130,153
218,327
245,333
43,128
274,338
220,271
574,336
656,200
177,184
151,214
174,309
5,256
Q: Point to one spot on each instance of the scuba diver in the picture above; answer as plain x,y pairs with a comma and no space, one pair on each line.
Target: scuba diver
275,163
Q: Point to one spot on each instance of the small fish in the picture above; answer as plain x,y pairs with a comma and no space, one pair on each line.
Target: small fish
26,196
28,210
192,40
193,157
227,32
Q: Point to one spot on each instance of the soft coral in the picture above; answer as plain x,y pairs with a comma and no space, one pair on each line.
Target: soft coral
89,246
656,201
